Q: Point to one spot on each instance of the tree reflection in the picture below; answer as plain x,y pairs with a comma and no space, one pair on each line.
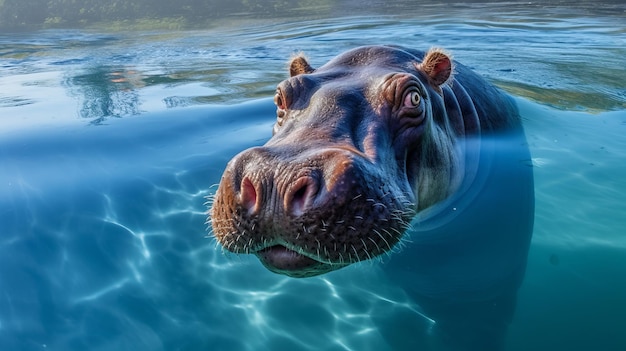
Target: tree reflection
21,13
105,92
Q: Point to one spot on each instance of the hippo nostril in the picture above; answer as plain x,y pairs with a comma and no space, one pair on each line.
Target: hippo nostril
249,195
299,199
301,195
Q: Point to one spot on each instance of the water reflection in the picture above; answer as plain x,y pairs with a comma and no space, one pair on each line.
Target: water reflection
571,60
104,92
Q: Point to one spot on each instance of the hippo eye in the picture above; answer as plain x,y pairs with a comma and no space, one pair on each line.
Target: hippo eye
279,100
281,104
412,99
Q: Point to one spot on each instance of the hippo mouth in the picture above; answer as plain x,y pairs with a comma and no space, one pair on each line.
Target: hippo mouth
280,259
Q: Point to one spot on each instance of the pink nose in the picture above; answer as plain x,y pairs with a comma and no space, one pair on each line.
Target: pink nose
250,195
299,195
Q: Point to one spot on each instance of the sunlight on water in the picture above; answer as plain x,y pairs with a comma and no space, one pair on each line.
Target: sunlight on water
110,144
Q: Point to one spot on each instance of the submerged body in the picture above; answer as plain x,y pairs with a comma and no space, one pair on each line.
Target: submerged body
377,139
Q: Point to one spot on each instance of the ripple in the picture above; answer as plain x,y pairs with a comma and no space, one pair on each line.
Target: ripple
15,101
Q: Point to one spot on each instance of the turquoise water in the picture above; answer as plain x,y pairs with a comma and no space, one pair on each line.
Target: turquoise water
110,142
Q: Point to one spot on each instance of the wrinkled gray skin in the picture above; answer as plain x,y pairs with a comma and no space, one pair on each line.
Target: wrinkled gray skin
374,140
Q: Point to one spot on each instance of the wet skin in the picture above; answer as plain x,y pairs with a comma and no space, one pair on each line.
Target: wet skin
379,138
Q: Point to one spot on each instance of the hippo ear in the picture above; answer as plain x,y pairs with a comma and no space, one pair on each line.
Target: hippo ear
299,65
437,65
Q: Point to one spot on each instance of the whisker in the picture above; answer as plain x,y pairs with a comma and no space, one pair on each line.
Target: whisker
383,238
366,250
374,242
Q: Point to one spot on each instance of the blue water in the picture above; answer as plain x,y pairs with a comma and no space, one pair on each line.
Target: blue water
110,142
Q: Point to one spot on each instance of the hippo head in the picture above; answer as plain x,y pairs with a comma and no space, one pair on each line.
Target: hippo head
360,145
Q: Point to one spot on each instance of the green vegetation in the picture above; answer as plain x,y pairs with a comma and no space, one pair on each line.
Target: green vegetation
15,14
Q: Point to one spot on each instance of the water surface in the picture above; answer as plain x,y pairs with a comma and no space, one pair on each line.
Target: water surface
111,140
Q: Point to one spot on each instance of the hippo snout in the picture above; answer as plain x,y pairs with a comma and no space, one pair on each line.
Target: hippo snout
306,213
262,190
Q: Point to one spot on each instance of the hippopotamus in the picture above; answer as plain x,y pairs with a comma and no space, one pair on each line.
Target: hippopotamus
399,155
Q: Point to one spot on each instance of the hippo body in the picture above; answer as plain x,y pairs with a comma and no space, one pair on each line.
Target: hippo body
394,153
